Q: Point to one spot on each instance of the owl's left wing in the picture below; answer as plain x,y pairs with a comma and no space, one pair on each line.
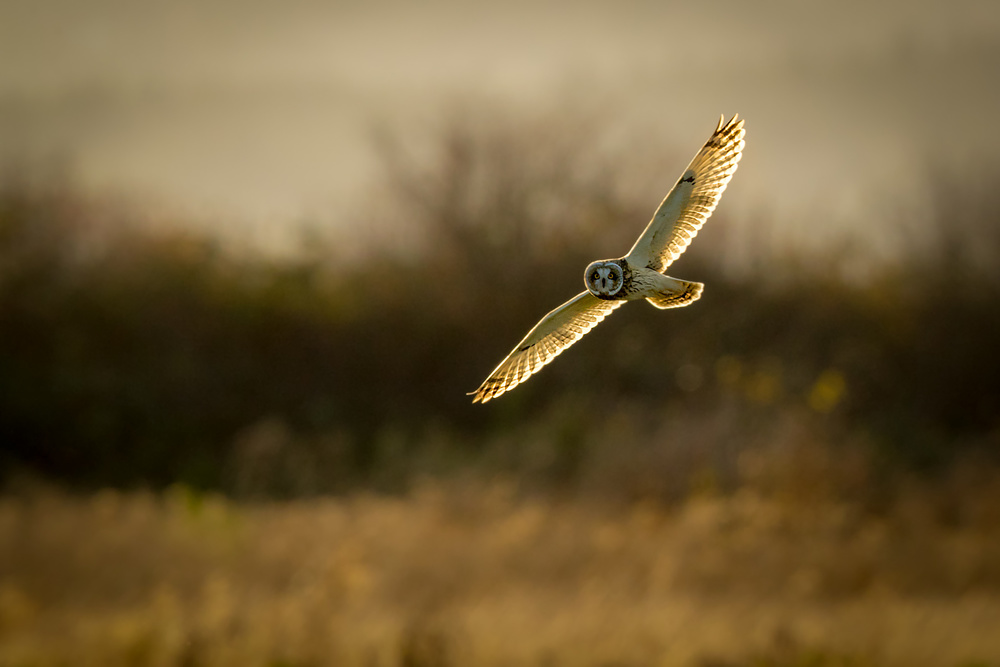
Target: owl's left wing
554,333
695,195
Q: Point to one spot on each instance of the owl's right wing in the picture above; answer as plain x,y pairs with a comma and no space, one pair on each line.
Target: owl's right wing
692,199
554,333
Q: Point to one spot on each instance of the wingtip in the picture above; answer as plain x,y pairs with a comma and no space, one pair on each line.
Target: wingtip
483,394
733,122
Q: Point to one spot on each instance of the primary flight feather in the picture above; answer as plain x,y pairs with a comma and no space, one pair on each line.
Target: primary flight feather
637,275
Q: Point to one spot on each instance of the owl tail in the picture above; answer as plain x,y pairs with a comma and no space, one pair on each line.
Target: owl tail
685,293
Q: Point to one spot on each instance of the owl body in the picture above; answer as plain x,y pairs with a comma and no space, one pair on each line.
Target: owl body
639,274
618,280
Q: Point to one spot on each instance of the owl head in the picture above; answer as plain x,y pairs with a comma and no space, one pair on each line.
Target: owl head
604,279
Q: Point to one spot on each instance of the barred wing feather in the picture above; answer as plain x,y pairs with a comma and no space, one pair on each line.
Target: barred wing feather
692,200
554,333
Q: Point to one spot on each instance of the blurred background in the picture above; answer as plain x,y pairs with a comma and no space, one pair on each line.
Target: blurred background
254,254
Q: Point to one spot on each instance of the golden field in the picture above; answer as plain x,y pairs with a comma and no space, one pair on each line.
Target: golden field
469,573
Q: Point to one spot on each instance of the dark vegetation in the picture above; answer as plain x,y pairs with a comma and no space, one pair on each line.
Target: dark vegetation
140,358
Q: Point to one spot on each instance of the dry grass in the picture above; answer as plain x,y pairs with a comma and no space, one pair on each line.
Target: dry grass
479,574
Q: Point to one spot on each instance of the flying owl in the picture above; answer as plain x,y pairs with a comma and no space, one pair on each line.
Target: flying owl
637,275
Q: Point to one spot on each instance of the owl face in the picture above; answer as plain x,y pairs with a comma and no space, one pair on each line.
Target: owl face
604,279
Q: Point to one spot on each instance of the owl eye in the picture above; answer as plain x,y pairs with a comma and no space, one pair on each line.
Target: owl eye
594,277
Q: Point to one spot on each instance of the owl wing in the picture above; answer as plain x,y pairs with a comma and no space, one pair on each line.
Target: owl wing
692,199
554,333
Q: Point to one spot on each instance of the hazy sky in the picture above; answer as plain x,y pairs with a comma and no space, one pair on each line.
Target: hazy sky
252,113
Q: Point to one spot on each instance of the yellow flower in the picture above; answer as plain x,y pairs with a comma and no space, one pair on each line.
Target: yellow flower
827,391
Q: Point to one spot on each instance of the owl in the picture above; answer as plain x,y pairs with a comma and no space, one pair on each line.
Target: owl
639,274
